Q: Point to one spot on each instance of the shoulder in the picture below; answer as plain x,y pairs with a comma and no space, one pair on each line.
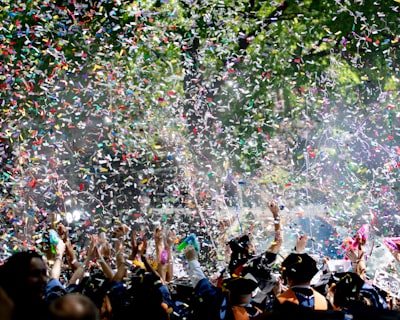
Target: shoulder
287,293
320,301
240,313
54,289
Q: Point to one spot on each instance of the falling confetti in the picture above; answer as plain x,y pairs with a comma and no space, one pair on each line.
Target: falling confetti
147,112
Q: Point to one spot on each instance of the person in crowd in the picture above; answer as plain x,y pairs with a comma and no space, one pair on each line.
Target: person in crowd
245,263
122,282
6,306
240,295
148,301
148,296
24,278
164,240
356,254
73,306
105,283
350,292
210,301
297,270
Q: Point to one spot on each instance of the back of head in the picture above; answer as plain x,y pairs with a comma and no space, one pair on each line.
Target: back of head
240,285
146,298
299,267
74,306
352,291
240,289
95,287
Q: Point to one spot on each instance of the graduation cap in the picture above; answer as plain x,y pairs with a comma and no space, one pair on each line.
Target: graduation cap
347,286
299,267
240,285
349,281
240,244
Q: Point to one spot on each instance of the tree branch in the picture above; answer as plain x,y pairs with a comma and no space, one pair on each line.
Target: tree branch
244,42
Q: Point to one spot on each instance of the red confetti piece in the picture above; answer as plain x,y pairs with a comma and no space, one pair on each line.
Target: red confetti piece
32,184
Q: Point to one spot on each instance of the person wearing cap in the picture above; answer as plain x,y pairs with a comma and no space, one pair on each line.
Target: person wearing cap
298,269
240,294
260,267
351,293
210,302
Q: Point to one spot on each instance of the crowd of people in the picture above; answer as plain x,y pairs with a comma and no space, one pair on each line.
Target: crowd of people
113,278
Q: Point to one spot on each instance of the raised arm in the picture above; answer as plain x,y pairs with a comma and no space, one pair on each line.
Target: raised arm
119,247
55,271
357,258
169,241
301,243
104,265
138,249
278,238
69,250
80,271
195,272
121,267
161,253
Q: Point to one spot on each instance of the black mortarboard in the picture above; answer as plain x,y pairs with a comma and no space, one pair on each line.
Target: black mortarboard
240,285
299,267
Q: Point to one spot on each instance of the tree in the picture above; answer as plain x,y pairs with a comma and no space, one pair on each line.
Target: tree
102,98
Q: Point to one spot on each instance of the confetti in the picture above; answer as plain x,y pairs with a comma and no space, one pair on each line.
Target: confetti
134,111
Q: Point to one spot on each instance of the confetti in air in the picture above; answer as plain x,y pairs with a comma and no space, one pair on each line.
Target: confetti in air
184,112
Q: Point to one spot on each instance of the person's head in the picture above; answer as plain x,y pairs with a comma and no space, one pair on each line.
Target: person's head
298,268
146,298
24,276
74,306
240,289
345,289
240,244
95,287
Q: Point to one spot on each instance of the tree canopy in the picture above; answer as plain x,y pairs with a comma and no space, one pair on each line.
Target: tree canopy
108,103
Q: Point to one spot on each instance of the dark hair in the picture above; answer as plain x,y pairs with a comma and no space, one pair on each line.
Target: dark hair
95,287
145,297
15,272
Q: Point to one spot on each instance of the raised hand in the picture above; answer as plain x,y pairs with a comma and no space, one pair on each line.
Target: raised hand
62,232
120,231
190,253
274,208
170,238
301,243
104,246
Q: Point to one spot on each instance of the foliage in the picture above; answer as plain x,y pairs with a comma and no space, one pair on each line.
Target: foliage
235,88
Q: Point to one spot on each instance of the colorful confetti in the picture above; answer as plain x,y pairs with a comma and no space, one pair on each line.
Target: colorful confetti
153,111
